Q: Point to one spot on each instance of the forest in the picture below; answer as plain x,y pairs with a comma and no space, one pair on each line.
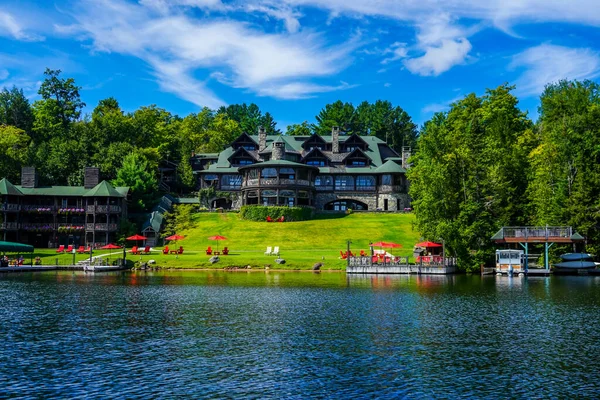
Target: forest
479,166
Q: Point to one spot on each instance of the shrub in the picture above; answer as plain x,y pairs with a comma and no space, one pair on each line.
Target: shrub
260,213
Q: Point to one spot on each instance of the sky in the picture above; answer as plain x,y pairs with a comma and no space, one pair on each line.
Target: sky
291,57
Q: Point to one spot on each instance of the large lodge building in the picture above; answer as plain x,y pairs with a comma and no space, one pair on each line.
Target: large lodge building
336,172
47,216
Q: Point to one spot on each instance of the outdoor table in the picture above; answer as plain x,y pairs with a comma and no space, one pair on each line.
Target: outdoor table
217,253
173,251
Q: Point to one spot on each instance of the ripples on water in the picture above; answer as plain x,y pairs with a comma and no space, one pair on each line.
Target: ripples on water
298,335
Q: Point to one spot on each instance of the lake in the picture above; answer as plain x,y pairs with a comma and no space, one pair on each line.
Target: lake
297,335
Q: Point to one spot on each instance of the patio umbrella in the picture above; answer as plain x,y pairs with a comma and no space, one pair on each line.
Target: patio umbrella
392,245
136,238
428,244
217,238
110,246
175,237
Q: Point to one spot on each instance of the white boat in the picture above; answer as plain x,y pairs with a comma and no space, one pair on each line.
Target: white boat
104,268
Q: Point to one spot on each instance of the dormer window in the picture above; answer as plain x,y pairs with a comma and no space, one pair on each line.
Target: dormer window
245,162
316,163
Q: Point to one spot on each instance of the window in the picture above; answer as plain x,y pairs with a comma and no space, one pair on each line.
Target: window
303,174
250,147
324,180
253,173
358,163
287,173
386,179
268,173
231,181
318,163
244,161
344,182
365,182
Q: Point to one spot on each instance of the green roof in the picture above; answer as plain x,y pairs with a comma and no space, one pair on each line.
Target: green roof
15,247
186,200
277,163
390,167
7,188
53,191
103,189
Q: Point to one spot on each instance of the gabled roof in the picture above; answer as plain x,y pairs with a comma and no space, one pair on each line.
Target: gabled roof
312,151
244,135
357,150
289,146
278,163
390,167
242,150
318,138
355,138
8,189
104,189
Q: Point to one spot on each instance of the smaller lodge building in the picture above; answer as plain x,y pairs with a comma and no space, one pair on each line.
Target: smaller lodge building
336,172
48,216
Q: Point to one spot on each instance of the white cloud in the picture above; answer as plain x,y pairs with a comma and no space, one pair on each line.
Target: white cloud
179,47
440,58
397,50
548,64
10,27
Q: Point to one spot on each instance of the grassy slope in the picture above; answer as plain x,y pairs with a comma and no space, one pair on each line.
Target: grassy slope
301,244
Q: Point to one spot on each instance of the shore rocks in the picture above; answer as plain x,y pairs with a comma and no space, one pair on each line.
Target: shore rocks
280,261
214,259
317,266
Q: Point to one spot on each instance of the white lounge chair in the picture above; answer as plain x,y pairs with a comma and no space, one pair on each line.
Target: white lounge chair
275,251
268,252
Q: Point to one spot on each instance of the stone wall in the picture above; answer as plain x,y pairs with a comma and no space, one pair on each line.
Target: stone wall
372,200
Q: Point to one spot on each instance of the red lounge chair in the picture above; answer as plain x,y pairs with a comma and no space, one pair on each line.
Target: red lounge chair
146,250
362,253
208,251
166,250
280,219
269,219
225,251
70,248
88,249
61,248
180,251
343,255
374,259
134,250
81,249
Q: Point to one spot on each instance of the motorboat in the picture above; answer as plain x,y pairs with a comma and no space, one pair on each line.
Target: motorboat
577,257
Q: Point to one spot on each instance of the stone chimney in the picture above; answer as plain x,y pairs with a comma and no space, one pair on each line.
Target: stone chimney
29,177
262,138
335,139
91,177
278,151
405,156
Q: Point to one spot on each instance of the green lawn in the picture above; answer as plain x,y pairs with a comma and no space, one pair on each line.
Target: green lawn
301,244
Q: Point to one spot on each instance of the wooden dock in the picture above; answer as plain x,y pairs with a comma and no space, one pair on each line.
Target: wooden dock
400,265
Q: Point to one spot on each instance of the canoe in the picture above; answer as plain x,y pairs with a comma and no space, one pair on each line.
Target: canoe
576,256
581,264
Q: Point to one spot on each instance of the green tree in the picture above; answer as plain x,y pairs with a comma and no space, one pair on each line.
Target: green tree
335,114
565,183
136,174
15,109
303,129
249,118
469,174
179,219
13,151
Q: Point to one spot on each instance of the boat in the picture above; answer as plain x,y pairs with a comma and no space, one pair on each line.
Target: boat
576,256
105,268
571,265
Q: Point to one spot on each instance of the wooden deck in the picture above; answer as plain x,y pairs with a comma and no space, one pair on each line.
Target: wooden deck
400,265
537,234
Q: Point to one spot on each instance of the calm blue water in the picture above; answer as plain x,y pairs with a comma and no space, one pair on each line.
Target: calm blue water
298,335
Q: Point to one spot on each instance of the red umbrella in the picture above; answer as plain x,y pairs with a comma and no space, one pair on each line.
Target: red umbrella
110,246
428,244
217,238
136,238
175,237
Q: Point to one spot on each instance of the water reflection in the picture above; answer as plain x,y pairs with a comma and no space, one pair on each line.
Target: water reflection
288,334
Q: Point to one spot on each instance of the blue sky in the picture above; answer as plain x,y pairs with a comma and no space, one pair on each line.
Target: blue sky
291,57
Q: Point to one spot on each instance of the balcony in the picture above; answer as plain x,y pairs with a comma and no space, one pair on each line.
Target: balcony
9,226
231,187
10,207
38,209
39,227
103,209
101,227
271,182
324,188
390,188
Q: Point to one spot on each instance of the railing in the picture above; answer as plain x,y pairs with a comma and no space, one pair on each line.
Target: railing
537,232
390,188
37,208
324,187
10,207
400,261
101,227
103,209
365,188
276,182
9,226
231,187
345,188
38,227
